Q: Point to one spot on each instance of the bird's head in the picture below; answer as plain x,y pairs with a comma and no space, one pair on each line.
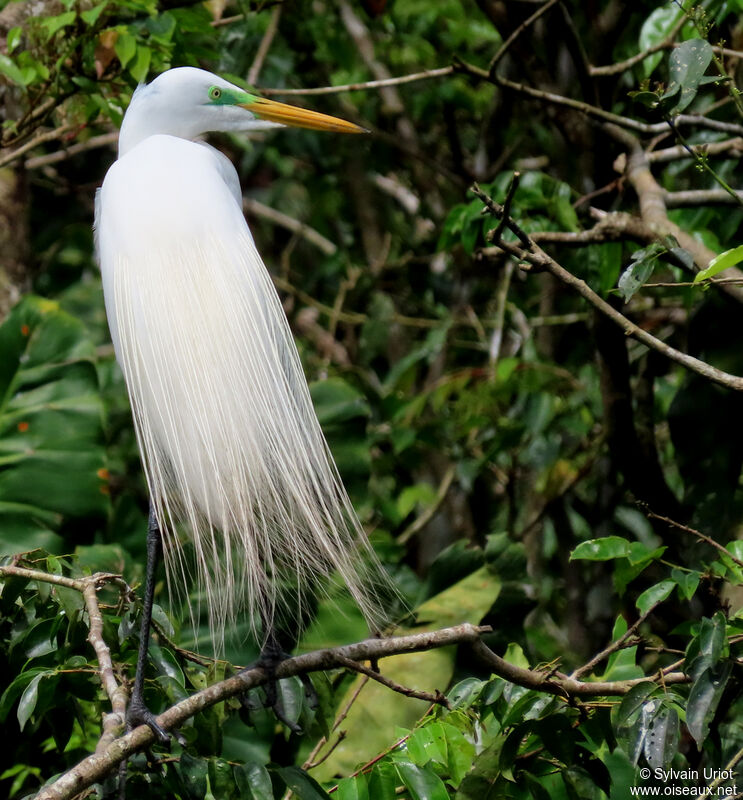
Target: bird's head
188,102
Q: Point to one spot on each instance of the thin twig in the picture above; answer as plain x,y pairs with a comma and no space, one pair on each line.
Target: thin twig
506,210
342,714
709,790
497,211
421,521
535,256
620,643
622,66
527,23
251,206
563,685
438,698
730,147
104,140
357,87
264,46
701,536
35,141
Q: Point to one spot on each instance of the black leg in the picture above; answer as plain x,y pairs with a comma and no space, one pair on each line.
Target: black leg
138,713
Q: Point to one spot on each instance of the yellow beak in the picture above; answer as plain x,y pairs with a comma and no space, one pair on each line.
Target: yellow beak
272,111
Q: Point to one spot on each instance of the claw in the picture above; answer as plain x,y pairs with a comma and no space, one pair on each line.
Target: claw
139,714
271,656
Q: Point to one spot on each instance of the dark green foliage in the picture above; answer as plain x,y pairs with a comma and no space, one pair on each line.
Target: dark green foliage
516,459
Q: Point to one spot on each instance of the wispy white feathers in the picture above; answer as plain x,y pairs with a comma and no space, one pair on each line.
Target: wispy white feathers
230,442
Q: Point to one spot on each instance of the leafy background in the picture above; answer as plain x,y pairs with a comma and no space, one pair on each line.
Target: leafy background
510,452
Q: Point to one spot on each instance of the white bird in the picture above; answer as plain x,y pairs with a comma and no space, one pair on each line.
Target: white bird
229,440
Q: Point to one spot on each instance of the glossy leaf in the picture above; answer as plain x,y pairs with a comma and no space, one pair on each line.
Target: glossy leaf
688,63
253,781
654,595
422,783
704,698
304,786
724,261
51,454
662,738
603,549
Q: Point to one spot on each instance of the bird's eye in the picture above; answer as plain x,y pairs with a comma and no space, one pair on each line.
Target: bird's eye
215,93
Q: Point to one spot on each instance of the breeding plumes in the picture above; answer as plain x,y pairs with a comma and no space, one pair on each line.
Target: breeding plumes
230,443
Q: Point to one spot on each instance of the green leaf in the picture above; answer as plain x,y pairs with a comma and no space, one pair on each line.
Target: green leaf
125,46
654,30
427,743
303,785
53,24
634,717
221,779
194,773
9,68
641,268
603,549
687,582
704,698
687,66
422,783
662,738
14,38
421,495
27,703
460,751
724,261
336,401
383,782
708,647
353,789
90,16
654,595
253,781
51,436
140,66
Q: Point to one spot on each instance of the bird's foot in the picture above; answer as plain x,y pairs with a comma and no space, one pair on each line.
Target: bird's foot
138,714
271,656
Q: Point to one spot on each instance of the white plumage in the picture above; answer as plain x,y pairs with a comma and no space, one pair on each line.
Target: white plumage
229,440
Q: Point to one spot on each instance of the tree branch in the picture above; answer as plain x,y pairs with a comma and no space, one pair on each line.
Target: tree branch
95,767
532,254
563,685
426,74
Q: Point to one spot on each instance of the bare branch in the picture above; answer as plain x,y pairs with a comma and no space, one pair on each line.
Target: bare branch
114,722
622,642
34,141
535,256
265,45
251,206
104,140
420,522
694,532
732,148
95,767
563,685
527,23
396,687
426,74
702,197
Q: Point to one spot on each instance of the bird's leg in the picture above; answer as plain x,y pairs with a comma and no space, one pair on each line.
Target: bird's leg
272,654
138,713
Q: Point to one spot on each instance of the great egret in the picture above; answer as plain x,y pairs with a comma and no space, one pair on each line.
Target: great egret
229,440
